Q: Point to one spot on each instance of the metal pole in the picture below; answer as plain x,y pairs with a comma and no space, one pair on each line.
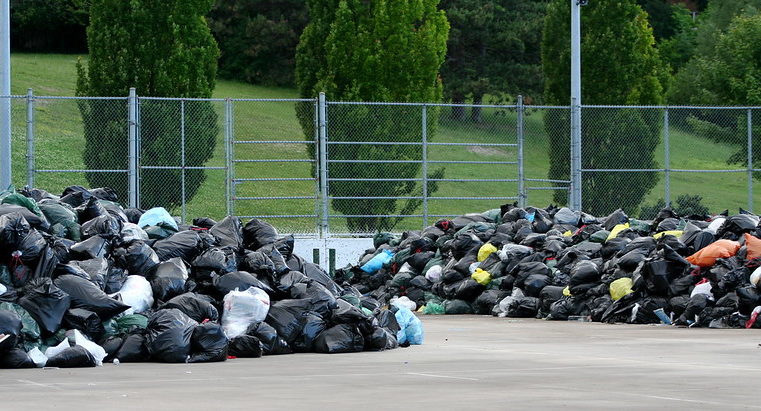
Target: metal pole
229,178
425,166
29,138
323,165
522,195
6,169
750,160
132,126
316,147
182,159
667,157
576,104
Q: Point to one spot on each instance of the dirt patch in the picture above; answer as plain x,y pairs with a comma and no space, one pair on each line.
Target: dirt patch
486,151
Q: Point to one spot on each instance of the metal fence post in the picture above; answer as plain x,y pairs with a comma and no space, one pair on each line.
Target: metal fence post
575,155
750,160
667,157
522,195
182,160
132,132
323,165
30,137
425,166
229,171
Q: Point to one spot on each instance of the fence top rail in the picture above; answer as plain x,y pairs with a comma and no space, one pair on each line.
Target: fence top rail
674,107
418,104
67,97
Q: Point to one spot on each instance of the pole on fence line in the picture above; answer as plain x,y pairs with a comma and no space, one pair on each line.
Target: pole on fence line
750,160
184,215
6,158
425,165
132,132
667,157
575,202
323,164
30,137
229,176
522,195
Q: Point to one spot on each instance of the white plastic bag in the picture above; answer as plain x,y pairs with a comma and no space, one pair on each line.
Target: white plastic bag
53,351
132,232
434,273
95,350
243,308
403,301
704,288
3,289
137,293
38,357
715,225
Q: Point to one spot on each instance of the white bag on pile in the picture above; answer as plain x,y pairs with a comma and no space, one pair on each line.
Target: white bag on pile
715,225
434,273
704,288
403,301
94,349
755,278
157,215
137,293
38,357
242,309
132,232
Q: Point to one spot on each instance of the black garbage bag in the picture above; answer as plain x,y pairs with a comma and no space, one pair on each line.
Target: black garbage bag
598,306
345,313
33,220
104,225
341,338
168,336
523,307
134,348
31,247
272,343
87,295
535,283
387,320
240,280
184,244
228,232
86,321
314,325
621,310
565,307
138,258
111,346
72,357
75,195
17,358
199,307
323,301
487,300
549,295
96,270
47,263
91,209
287,317
214,262
245,346
655,272
134,214
456,306
115,279
583,274
169,279
258,263
10,325
646,307
697,304
381,339
258,233
276,257
208,344
314,272
94,247
748,299
13,228
468,289
46,303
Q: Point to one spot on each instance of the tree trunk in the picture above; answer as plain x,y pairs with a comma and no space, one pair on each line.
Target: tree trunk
475,112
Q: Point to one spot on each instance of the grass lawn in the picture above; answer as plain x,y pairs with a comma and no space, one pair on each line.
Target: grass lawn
60,143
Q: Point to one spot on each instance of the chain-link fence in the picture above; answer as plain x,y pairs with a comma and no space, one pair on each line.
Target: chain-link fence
318,167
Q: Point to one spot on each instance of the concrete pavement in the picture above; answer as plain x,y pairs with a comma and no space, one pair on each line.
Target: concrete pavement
467,362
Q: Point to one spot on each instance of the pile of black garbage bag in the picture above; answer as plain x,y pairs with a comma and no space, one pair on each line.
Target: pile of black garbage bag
559,264
84,280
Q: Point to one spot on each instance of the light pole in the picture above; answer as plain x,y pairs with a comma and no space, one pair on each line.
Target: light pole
575,197
5,90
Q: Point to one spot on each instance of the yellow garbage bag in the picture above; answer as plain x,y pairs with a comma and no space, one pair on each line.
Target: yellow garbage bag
620,288
567,291
482,277
485,251
617,229
675,233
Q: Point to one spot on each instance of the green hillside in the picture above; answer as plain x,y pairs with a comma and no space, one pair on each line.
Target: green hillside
59,145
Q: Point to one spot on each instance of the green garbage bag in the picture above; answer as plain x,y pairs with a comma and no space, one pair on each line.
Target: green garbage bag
129,323
599,236
433,309
20,200
382,238
160,231
30,331
351,299
432,298
58,213
402,279
495,214
5,275
457,307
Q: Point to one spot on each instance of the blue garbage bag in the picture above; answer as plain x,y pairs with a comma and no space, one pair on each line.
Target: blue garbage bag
377,262
410,327
157,215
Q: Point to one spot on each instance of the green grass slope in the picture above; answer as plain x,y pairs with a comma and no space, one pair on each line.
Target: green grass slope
59,145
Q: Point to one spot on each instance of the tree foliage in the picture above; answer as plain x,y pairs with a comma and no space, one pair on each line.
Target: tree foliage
258,38
49,25
493,48
163,49
620,66
384,50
